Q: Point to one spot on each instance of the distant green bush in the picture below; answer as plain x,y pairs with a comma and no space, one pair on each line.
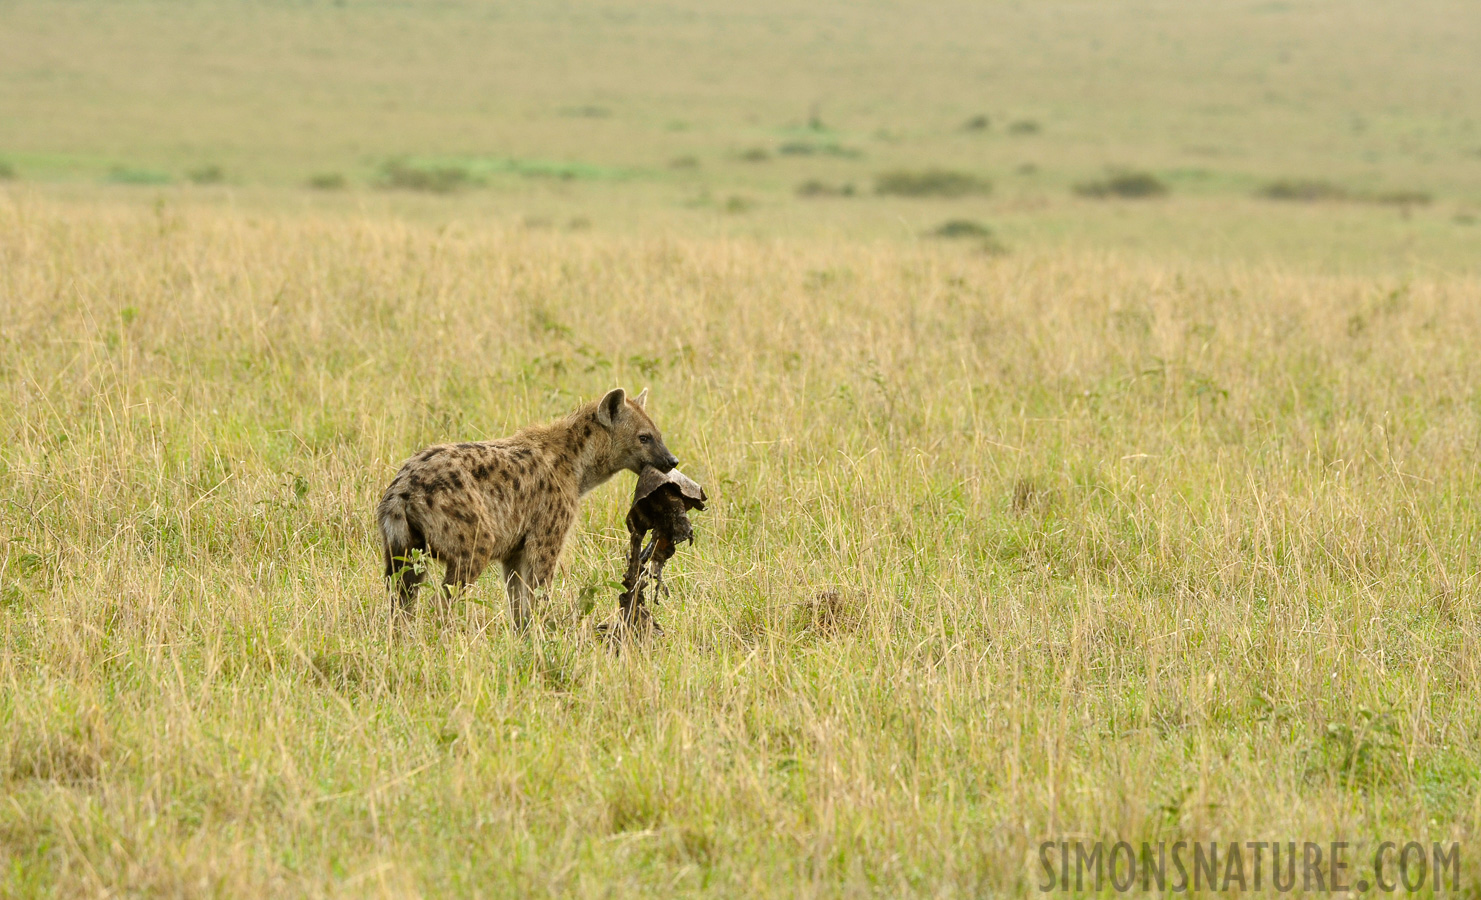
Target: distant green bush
1024,126
754,154
977,123
930,183
1128,185
7,171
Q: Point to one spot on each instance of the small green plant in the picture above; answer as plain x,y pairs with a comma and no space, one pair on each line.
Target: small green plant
684,162
1363,752
930,183
754,155
1024,126
414,563
7,171
977,123
1127,185
738,204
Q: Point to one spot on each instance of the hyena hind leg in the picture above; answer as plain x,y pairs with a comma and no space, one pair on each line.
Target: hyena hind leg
462,570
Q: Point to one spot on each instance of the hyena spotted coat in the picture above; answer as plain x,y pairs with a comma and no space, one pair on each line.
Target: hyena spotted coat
513,500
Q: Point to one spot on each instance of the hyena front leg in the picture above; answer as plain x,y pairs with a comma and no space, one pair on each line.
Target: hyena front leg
519,592
526,576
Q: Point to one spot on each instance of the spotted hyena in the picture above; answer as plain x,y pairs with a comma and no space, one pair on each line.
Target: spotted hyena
513,500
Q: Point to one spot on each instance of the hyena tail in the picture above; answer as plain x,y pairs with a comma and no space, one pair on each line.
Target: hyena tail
401,540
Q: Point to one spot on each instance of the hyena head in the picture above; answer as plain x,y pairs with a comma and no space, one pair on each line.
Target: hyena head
636,441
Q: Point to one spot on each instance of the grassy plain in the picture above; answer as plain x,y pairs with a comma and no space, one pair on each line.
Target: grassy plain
705,118
1144,519
1119,549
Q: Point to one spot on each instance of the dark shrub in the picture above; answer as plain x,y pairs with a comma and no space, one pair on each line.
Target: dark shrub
211,174
7,171
930,183
1130,185
1404,198
807,148
1024,126
1303,190
961,228
436,179
977,123
328,181
755,154
815,188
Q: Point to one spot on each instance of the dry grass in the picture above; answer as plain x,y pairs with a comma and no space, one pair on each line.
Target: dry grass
1001,551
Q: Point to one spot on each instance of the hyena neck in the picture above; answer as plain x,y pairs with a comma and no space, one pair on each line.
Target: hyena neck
593,449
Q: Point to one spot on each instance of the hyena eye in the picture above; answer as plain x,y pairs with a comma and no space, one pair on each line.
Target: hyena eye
645,438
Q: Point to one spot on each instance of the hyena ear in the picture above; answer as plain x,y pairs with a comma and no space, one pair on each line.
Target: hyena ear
641,399
609,406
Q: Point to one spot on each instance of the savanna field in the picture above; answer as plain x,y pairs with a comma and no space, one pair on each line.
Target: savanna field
1043,510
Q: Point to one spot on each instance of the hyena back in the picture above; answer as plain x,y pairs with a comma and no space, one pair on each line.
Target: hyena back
513,500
